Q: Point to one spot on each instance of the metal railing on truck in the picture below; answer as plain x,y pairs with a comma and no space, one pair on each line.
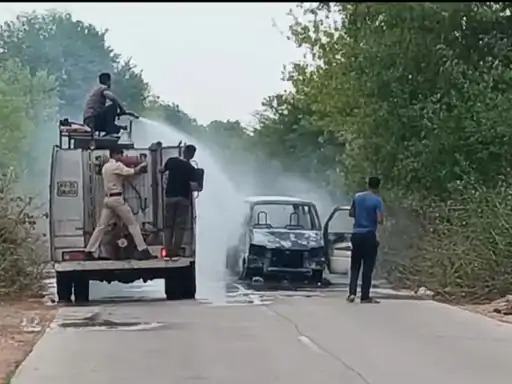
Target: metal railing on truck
73,135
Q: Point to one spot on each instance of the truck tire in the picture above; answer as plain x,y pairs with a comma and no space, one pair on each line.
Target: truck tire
81,288
189,282
180,283
64,287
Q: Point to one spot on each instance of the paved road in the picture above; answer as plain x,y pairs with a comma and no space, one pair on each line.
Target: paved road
270,337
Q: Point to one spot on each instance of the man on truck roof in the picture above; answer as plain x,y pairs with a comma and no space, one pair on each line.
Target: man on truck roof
99,116
178,194
113,174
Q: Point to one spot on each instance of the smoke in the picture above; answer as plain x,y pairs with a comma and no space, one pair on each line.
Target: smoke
37,175
220,207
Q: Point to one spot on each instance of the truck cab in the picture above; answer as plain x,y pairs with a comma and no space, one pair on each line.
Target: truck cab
76,200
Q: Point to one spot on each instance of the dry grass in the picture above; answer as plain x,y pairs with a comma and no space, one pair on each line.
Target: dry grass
461,251
22,265
16,341
22,249
500,310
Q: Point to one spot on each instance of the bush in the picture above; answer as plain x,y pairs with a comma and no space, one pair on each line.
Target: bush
462,250
419,94
22,250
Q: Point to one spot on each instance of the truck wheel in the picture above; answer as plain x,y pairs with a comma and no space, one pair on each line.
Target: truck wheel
81,289
180,283
172,285
64,287
189,281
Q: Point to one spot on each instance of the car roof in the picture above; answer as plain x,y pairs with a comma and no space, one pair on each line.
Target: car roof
276,199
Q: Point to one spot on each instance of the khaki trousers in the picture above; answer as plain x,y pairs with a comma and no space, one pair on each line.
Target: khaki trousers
116,206
177,214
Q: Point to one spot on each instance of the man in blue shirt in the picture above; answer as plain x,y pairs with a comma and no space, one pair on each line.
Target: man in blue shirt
367,210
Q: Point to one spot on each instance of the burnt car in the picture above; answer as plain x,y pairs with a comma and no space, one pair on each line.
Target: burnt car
283,237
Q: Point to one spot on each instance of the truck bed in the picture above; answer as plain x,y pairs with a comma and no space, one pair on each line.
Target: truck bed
68,266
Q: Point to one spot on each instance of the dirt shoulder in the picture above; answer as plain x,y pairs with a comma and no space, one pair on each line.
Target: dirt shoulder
21,326
500,310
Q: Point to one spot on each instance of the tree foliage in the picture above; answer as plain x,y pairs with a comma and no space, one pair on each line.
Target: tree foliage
74,53
25,100
21,247
419,94
48,64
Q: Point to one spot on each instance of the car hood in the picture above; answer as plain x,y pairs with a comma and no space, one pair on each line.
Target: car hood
287,239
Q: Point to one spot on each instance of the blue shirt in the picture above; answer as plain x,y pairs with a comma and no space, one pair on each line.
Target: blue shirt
367,206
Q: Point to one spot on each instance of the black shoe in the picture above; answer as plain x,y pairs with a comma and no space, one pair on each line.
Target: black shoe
64,123
144,255
351,298
370,300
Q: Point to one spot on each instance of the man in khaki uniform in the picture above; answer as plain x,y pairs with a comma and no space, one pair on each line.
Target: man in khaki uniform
114,205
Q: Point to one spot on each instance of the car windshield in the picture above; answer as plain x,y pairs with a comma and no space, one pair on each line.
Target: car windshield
285,216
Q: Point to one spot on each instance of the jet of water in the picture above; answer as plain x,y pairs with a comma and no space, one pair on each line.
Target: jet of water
220,208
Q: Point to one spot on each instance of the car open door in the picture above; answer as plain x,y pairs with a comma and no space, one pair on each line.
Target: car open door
336,233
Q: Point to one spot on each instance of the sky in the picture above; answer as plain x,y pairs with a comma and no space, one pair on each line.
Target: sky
215,60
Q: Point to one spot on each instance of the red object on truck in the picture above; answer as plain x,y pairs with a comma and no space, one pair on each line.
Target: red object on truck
132,161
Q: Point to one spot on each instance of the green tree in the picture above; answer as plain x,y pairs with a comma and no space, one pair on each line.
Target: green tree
74,53
48,63
25,101
419,94
130,85
397,85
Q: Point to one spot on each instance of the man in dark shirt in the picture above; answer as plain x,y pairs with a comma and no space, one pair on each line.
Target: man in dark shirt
99,116
367,211
178,195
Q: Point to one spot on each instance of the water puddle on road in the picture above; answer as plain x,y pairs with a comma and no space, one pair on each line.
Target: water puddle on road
95,322
100,323
220,293
238,294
